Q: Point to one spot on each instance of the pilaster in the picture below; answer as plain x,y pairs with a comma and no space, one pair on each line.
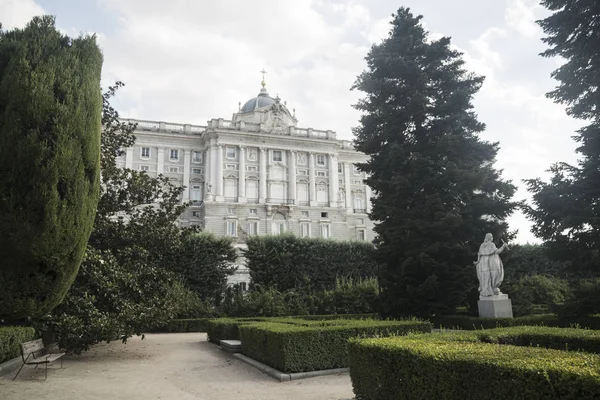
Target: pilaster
262,192
160,166
292,177
186,175
333,181
129,158
311,180
347,168
242,176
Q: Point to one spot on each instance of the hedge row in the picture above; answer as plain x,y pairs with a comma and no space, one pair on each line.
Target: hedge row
227,328
460,366
470,322
185,325
10,338
336,316
312,347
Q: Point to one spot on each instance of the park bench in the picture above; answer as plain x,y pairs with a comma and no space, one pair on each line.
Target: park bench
34,353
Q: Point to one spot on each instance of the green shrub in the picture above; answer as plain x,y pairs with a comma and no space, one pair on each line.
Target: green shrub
289,262
536,291
296,348
10,338
470,322
226,328
441,366
335,316
50,122
185,325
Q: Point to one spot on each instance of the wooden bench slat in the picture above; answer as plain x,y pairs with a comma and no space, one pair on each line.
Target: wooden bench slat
31,347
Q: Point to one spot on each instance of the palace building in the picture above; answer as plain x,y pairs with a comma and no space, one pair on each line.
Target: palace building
258,174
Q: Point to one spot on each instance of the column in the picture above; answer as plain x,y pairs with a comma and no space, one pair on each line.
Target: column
333,181
207,174
214,163
347,169
242,176
219,173
292,177
129,158
368,197
311,179
262,190
186,174
160,167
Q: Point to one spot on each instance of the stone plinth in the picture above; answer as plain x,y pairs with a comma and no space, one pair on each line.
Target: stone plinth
231,346
498,306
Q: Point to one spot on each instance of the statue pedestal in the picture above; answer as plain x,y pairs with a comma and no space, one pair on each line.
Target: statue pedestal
498,306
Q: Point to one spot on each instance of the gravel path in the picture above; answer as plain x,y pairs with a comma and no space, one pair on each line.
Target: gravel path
177,366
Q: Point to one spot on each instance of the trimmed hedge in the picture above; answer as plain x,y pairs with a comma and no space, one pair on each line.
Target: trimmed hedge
299,348
185,325
50,126
443,366
335,316
226,328
470,322
10,338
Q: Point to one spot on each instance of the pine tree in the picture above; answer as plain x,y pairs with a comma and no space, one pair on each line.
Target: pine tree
566,210
50,122
436,192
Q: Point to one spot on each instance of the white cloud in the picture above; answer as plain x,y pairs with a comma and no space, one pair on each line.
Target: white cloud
16,13
521,16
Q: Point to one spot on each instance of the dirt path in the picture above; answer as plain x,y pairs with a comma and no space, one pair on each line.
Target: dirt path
176,366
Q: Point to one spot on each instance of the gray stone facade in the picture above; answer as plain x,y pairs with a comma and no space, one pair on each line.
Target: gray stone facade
258,173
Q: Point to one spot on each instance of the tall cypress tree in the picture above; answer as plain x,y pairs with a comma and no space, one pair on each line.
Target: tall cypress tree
436,192
566,210
50,121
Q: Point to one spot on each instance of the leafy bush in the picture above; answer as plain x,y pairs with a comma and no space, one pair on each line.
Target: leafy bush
313,347
226,328
185,325
50,161
288,262
189,305
583,301
532,291
350,296
10,339
429,366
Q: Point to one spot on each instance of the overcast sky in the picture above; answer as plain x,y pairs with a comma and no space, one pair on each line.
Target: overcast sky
188,61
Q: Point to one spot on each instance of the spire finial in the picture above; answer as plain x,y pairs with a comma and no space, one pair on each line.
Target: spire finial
263,72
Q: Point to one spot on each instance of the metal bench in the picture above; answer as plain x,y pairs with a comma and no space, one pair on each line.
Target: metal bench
34,353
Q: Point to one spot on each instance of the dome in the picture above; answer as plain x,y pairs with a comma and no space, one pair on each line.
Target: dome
262,100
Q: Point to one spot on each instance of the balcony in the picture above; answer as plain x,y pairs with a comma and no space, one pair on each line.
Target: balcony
280,201
360,211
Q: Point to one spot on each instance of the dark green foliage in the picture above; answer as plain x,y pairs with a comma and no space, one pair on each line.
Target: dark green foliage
436,192
447,366
531,259
226,328
288,262
347,297
185,325
585,340
583,301
123,288
10,338
536,292
296,348
552,320
189,304
336,317
114,297
204,261
566,210
50,108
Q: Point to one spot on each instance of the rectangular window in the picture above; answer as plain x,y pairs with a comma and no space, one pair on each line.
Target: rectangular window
145,152
305,230
243,286
144,168
340,168
305,214
232,228
251,168
196,194
194,213
174,154
277,155
360,221
321,159
252,227
173,169
231,167
197,171
361,235
197,156
230,153
231,211
252,211
321,173
325,231
324,215
302,172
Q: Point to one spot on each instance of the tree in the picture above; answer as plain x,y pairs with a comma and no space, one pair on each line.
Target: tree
50,111
436,192
123,288
204,262
566,210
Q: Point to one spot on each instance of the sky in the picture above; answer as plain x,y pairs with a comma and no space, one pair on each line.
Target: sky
189,61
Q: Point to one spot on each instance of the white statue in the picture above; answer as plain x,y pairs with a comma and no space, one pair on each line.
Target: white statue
490,270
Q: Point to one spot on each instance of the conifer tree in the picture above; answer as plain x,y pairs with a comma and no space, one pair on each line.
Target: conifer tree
50,122
566,210
436,192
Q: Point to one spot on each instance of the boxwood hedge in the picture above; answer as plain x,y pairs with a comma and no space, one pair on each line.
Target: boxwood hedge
185,325
312,347
10,338
467,365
